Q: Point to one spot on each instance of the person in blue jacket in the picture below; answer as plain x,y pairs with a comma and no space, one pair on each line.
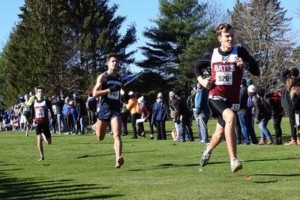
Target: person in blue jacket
159,116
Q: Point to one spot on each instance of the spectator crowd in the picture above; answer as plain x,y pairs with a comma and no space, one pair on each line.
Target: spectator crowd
73,115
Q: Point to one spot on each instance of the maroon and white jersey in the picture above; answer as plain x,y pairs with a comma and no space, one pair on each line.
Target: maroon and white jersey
226,76
41,112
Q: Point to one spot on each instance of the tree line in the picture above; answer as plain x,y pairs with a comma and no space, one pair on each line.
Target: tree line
62,44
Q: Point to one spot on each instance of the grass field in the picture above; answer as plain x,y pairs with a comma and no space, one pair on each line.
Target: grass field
80,167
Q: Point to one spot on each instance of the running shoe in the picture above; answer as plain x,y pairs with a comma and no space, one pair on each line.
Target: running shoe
205,157
236,165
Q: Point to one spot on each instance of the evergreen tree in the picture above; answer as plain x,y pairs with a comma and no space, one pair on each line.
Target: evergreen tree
178,39
62,45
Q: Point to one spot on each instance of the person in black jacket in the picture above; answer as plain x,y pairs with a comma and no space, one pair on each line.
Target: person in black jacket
181,117
82,114
263,115
295,97
289,78
277,114
245,114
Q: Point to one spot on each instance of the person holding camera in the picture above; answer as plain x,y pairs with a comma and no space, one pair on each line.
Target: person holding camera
289,78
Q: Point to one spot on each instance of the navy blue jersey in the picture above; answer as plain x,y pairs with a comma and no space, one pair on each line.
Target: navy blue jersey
113,99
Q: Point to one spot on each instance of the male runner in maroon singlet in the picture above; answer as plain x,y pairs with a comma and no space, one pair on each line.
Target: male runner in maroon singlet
226,64
41,106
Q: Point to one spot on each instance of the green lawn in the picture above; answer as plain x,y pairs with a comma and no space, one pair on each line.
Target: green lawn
80,167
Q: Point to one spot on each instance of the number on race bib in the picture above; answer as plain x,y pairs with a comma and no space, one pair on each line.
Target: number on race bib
224,78
114,95
40,113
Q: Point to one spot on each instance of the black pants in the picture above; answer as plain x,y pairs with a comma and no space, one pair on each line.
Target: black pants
161,130
292,125
134,117
277,125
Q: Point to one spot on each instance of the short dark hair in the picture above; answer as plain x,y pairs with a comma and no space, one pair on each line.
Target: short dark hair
39,88
111,55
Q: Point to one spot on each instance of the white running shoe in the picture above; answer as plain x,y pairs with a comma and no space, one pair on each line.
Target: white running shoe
236,165
205,157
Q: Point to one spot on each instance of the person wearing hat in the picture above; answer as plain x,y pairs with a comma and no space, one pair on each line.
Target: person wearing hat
226,65
159,116
174,105
245,113
108,89
289,79
71,117
135,111
263,115
180,115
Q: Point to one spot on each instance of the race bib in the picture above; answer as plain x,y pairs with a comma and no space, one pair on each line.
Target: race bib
224,78
235,107
40,113
114,95
26,109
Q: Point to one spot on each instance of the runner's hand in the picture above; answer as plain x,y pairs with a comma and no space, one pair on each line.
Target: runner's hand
114,88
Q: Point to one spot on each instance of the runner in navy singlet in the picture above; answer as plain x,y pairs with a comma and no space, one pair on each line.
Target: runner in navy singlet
108,89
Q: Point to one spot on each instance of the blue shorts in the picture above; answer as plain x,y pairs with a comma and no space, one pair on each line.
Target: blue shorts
106,114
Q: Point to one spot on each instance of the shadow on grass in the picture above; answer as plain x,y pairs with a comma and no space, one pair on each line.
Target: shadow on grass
279,175
272,175
272,159
106,154
30,188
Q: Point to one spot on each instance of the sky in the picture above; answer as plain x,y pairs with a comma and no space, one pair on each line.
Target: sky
139,12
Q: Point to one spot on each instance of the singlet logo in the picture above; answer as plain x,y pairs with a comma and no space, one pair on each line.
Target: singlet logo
40,109
224,66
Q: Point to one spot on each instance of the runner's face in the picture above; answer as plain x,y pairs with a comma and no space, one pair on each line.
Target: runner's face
39,93
227,39
113,64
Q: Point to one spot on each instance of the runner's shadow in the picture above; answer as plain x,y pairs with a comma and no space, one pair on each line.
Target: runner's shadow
32,188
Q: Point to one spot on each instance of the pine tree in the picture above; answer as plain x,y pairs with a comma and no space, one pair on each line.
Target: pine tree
62,45
181,29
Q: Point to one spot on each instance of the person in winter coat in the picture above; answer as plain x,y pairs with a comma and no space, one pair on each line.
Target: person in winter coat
159,116
81,114
289,78
295,97
263,115
181,117
277,114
